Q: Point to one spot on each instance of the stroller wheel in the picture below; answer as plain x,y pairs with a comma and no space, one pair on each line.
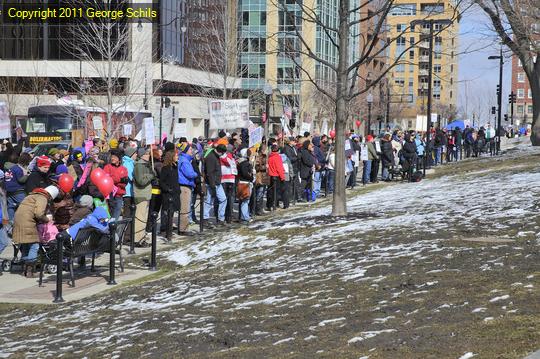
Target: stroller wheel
50,268
6,265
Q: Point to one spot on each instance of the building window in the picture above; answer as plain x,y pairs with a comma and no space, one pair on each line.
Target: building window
450,94
530,109
437,96
520,109
403,10
519,63
400,27
411,55
437,55
436,69
521,76
400,68
520,93
245,18
399,81
400,41
451,68
529,93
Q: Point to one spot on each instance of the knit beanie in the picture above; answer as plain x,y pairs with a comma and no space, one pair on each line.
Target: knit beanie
86,201
43,161
183,147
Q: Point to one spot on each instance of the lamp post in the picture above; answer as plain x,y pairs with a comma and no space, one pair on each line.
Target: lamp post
268,90
369,100
499,97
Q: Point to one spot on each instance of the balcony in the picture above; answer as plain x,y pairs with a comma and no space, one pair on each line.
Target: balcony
424,58
423,45
423,72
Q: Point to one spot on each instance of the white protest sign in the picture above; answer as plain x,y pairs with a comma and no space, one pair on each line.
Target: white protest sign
434,117
97,122
255,136
347,145
148,127
139,136
378,146
324,129
306,127
5,124
228,114
364,152
180,130
127,129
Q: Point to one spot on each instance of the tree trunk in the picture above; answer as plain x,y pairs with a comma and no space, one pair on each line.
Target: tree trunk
535,90
339,203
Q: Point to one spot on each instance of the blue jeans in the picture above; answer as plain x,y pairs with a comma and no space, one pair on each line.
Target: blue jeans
367,172
385,173
115,206
317,180
218,194
244,210
438,153
330,180
4,240
13,201
29,251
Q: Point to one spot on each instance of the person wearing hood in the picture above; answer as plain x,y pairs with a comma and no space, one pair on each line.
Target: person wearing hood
320,165
292,153
284,190
119,175
387,156
143,174
420,150
307,163
98,219
76,167
277,175
409,153
15,180
186,179
39,177
33,210
170,187
245,184
215,192
82,208
128,161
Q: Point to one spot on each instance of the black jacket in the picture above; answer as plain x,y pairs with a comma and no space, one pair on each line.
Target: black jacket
36,179
212,169
307,161
409,151
168,182
245,170
292,154
387,155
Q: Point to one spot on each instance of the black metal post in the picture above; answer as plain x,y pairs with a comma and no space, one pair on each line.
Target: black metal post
267,122
161,103
153,255
430,80
387,104
170,215
201,212
59,265
512,102
112,250
499,101
369,118
274,184
132,208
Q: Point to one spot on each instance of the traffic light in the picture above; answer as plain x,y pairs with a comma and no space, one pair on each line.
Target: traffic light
498,89
512,98
493,110
506,117
292,121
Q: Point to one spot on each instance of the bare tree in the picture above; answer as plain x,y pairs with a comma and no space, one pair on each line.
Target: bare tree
350,82
517,23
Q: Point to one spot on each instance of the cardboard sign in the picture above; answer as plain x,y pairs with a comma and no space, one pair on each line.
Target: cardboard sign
378,146
364,152
149,135
97,122
5,123
229,114
180,130
255,136
306,127
127,129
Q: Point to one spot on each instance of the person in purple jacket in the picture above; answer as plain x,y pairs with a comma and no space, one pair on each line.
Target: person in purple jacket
15,179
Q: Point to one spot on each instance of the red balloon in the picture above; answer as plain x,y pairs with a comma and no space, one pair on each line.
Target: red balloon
358,123
105,185
96,175
332,133
65,182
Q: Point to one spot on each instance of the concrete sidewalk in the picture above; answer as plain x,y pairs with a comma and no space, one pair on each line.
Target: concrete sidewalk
15,288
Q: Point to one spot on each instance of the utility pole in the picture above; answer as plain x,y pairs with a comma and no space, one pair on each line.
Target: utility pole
512,101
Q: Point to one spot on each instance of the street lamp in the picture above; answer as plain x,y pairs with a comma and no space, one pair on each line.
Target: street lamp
369,100
431,22
499,97
268,90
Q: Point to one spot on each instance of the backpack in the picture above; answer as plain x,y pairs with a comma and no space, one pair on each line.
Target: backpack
417,176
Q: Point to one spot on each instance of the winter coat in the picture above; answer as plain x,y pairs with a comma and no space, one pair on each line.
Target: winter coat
63,210
307,161
93,221
143,174
245,170
31,212
318,153
372,152
36,179
186,173
212,169
129,164
292,154
228,168
287,167
409,151
15,179
79,212
275,166
262,178
119,175
170,187
387,155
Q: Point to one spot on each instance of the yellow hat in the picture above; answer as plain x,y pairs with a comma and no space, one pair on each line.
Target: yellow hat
113,143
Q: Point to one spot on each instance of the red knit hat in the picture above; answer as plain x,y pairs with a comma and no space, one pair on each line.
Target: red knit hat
43,161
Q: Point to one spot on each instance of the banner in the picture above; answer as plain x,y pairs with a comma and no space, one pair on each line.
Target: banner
306,127
228,114
180,130
5,124
255,136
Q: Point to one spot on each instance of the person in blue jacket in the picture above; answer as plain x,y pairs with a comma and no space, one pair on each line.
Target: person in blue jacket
98,219
319,166
186,179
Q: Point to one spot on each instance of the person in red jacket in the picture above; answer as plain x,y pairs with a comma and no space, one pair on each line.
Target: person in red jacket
277,175
119,175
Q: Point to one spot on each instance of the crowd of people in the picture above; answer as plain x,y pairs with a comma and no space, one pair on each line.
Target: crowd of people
216,173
